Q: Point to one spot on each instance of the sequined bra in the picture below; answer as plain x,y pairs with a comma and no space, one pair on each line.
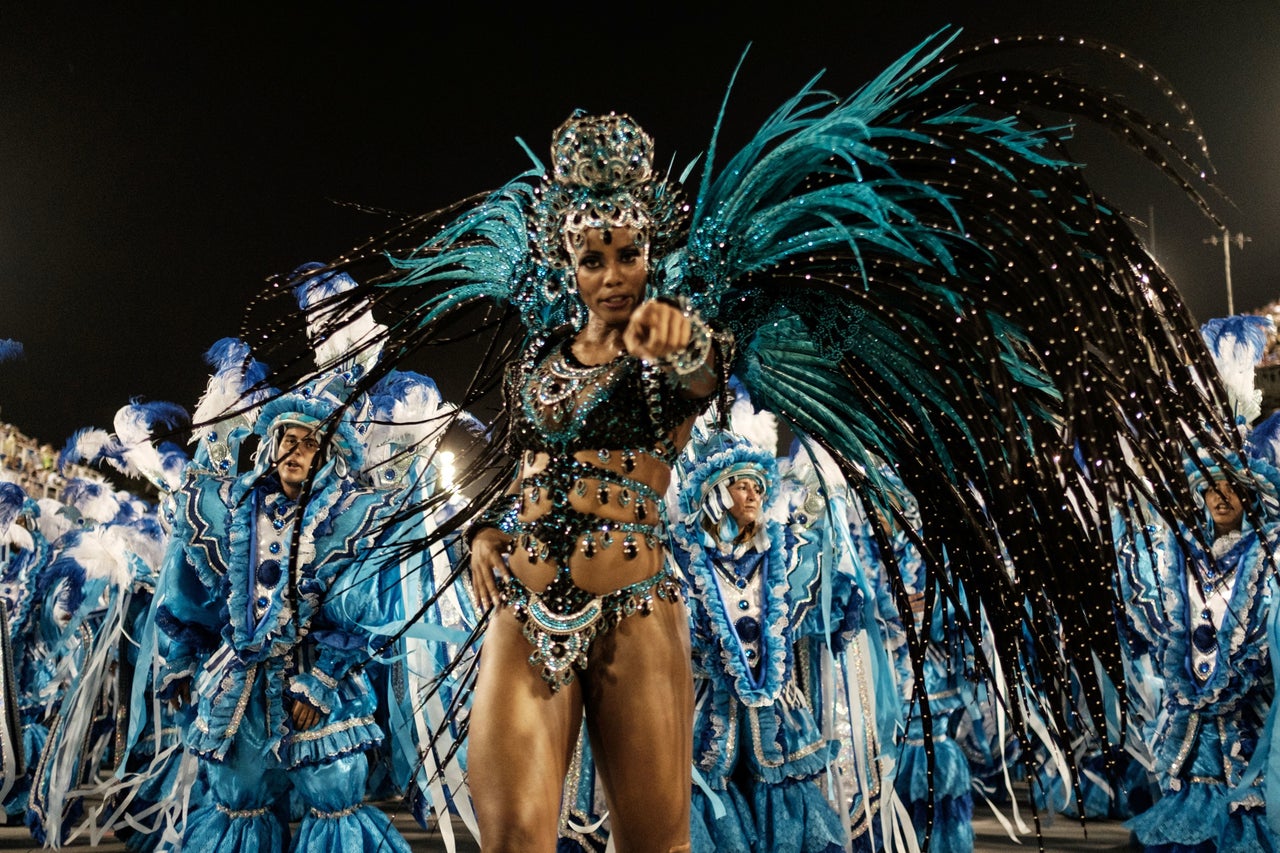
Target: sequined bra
618,410
555,403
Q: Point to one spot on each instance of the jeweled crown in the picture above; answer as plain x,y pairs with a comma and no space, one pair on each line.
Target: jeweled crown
602,152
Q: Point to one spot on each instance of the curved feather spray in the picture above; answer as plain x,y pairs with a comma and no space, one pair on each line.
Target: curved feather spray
916,274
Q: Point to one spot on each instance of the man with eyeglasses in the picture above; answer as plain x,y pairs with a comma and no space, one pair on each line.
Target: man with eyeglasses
265,599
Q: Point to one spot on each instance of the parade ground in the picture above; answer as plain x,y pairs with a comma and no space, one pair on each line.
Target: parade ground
1062,835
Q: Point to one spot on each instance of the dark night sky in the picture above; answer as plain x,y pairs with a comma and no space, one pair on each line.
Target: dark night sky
157,163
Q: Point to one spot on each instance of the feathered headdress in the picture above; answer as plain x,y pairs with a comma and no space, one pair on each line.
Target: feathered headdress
1237,345
134,449
717,458
602,177
322,415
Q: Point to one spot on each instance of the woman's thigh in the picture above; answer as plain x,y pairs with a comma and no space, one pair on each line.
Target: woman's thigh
638,698
520,742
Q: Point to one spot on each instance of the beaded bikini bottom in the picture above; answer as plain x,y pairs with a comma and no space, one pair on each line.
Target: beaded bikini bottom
562,621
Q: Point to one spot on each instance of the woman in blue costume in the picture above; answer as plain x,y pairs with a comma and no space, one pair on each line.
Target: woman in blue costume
266,598
757,743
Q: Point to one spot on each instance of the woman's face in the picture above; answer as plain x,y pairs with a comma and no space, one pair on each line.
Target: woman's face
611,272
1225,506
747,498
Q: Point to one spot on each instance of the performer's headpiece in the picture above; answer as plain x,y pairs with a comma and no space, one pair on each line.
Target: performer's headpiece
728,458
319,415
602,176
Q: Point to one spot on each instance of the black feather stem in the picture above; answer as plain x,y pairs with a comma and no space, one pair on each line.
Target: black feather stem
949,502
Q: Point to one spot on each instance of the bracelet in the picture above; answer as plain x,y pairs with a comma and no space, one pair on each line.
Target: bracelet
499,514
694,355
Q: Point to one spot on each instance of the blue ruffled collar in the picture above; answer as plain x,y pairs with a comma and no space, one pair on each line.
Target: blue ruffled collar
776,656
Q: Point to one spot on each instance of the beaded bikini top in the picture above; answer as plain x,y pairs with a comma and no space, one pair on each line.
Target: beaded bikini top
556,404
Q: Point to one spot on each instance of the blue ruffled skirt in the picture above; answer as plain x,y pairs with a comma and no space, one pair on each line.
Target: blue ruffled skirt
952,830
1203,814
791,816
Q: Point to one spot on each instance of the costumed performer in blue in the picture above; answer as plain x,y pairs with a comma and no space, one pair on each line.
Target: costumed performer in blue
1203,599
916,273
931,776
23,551
145,743
266,595
107,560
758,745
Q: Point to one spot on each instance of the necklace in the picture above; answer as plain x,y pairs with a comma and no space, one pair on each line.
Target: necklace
558,380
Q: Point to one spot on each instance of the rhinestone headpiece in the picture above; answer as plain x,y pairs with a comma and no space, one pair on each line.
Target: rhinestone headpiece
602,153
601,176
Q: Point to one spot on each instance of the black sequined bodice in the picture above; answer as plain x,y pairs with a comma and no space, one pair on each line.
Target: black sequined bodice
560,406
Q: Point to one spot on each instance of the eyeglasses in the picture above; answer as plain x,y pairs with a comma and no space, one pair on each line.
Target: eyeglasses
291,442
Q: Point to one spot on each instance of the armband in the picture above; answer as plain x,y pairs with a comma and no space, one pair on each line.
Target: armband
500,514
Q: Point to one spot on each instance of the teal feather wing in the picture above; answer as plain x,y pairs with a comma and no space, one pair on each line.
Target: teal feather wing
920,275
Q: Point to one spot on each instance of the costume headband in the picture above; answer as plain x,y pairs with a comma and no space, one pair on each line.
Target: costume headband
741,470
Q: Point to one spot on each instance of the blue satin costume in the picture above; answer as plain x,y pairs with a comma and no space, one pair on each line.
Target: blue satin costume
1218,689
226,606
758,745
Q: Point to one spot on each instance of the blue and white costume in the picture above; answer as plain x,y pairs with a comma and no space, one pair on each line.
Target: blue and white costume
1204,605
1211,650
250,640
881,259
757,743
938,797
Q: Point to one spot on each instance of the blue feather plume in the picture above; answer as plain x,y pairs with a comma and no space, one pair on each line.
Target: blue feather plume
10,350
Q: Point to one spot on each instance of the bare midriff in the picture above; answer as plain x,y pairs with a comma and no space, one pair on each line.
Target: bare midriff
608,569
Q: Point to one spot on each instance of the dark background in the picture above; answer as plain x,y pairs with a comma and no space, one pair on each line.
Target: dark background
158,162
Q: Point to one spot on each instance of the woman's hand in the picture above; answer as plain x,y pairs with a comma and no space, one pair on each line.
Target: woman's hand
489,550
656,330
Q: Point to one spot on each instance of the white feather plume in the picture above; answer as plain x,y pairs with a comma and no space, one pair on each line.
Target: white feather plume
348,339
221,395
417,419
103,552
52,522
98,502
1237,344
760,428
88,445
17,536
